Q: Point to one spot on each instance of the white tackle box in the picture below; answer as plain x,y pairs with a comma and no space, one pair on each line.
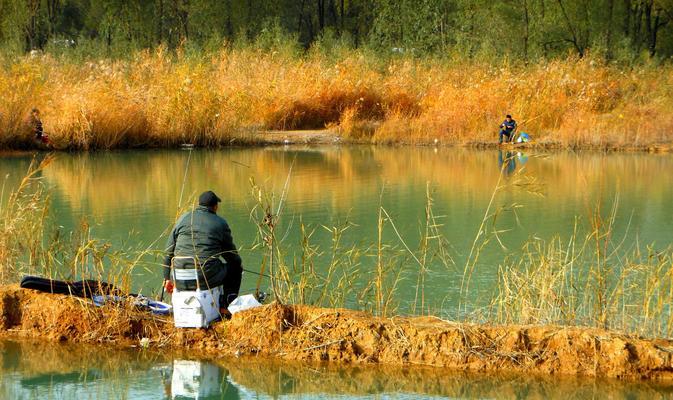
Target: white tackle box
196,308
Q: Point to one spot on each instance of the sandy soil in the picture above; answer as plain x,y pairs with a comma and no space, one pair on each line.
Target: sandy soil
332,136
346,336
320,136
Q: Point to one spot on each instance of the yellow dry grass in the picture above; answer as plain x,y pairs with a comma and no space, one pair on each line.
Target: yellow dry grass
157,99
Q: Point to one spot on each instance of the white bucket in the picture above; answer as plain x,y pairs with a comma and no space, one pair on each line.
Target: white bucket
196,308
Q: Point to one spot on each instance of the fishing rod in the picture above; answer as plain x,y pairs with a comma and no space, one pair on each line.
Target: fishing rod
257,273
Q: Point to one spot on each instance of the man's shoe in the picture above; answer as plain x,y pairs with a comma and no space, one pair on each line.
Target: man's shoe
225,313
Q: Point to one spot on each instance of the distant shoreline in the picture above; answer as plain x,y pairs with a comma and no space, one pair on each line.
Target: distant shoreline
323,137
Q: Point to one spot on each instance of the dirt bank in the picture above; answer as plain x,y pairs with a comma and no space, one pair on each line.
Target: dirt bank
333,136
319,334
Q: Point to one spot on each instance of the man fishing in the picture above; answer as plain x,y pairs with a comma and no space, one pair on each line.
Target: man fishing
202,237
36,126
507,128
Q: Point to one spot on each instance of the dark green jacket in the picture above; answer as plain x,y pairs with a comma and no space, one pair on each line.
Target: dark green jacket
206,237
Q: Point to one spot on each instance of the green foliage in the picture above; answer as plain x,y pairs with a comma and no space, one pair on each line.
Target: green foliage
621,30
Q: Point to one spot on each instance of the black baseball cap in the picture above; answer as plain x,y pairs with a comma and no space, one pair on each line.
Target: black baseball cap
208,199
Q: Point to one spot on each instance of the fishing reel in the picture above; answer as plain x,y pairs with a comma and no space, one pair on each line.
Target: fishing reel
261,297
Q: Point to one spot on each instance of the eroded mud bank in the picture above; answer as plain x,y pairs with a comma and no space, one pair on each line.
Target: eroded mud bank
345,336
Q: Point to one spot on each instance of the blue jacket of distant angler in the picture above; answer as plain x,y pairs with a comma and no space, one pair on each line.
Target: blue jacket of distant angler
508,126
203,237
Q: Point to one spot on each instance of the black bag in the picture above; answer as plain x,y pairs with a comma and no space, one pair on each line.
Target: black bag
85,289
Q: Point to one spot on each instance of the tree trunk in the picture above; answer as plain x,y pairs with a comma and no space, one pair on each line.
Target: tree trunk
526,33
229,28
160,21
658,24
301,17
627,17
311,30
574,40
635,34
648,22
248,24
31,29
341,13
653,35
52,15
608,36
184,18
333,14
321,14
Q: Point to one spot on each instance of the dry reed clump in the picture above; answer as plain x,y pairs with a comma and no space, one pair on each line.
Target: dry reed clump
32,243
157,99
22,224
596,280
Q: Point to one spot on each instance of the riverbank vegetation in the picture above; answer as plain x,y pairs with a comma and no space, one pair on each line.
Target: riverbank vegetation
595,74
155,99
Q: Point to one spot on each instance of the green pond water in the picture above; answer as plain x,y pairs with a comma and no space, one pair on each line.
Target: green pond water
131,198
39,370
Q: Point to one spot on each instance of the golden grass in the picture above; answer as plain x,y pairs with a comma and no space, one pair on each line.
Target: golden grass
153,99
33,243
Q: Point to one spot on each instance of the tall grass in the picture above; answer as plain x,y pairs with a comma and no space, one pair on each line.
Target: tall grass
589,280
22,217
153,98
366,275
33,243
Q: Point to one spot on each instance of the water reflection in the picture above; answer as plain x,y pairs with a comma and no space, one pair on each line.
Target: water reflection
193,379
508,161
57,371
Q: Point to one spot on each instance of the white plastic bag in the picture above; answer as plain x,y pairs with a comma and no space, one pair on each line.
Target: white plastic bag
243,303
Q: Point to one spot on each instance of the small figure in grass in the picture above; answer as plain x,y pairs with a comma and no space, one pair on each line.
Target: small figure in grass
36,126
507,128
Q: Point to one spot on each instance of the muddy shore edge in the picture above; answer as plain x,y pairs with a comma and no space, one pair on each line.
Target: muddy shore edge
322,137
344,336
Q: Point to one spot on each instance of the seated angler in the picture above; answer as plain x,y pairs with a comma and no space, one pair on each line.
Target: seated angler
36,126
507,128
202,240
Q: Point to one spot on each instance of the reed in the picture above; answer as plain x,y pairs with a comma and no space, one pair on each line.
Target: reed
33,243
156,98
23,220
588,280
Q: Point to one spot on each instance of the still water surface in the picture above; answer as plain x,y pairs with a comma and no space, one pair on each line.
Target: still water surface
132,197
59,371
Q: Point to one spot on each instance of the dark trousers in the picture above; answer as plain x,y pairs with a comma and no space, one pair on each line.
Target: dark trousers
504,132
231,286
